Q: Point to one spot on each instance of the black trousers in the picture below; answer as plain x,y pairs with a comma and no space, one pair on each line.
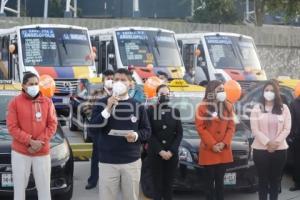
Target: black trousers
94,176
269,169
296,167
215,181
163,172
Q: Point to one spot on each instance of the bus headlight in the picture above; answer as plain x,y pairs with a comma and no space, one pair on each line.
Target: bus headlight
184,155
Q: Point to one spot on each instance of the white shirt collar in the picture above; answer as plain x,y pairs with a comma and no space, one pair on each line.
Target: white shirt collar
124,98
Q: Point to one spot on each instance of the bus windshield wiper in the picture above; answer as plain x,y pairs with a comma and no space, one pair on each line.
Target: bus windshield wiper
156,46
155,41
64,46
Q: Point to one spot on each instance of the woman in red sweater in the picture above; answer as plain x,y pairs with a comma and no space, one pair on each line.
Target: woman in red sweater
31,121
215,125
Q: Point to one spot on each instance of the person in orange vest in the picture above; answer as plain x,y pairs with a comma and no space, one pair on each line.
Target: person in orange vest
215,125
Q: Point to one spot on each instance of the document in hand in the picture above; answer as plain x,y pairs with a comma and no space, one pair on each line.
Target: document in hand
121,133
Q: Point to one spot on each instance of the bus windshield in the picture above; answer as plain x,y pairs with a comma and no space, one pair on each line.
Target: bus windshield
141,47
231,52
248,53
222,52
55,47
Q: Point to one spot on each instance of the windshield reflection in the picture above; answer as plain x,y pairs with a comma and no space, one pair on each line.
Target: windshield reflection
231,52
140,48
59,47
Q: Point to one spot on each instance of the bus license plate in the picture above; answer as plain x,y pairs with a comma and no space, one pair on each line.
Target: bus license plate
230,179
7,180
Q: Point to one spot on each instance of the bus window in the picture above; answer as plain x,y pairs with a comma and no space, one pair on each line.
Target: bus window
248,53
13,60
96,44
222,52
201,59
111,55
59,47
107,58
142,47
201,64
188,56
102,58
4,72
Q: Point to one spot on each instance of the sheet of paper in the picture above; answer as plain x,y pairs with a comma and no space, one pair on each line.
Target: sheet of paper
120,133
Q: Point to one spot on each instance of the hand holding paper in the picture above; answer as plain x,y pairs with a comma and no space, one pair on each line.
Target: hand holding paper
131,137
120,133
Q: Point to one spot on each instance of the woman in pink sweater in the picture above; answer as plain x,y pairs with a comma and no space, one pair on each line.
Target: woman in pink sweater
31,121
270,124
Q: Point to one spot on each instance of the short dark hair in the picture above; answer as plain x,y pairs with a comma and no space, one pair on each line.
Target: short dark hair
161,86
108,73
163,74
27,76
124,71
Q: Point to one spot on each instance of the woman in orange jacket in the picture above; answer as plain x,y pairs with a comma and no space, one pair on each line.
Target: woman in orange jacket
31,121
215,125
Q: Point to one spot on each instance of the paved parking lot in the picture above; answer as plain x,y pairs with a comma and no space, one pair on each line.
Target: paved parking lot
82,170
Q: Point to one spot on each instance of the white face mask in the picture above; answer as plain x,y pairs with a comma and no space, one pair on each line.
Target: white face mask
108,84
119,88
33,90
269,96
221,96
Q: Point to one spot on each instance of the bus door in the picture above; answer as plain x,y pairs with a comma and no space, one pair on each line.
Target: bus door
13,60
9,67
203,71
105,55
195,63
5,73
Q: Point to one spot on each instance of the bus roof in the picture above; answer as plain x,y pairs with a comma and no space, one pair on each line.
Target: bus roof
16,28
202,34
111,30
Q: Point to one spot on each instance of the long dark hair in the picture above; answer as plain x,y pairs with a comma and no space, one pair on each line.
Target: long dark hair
278,105
210,100
161,86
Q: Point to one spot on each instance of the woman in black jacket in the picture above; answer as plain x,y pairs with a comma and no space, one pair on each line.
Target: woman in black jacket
164,143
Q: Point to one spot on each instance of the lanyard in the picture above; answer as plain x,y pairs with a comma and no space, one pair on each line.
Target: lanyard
38,111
